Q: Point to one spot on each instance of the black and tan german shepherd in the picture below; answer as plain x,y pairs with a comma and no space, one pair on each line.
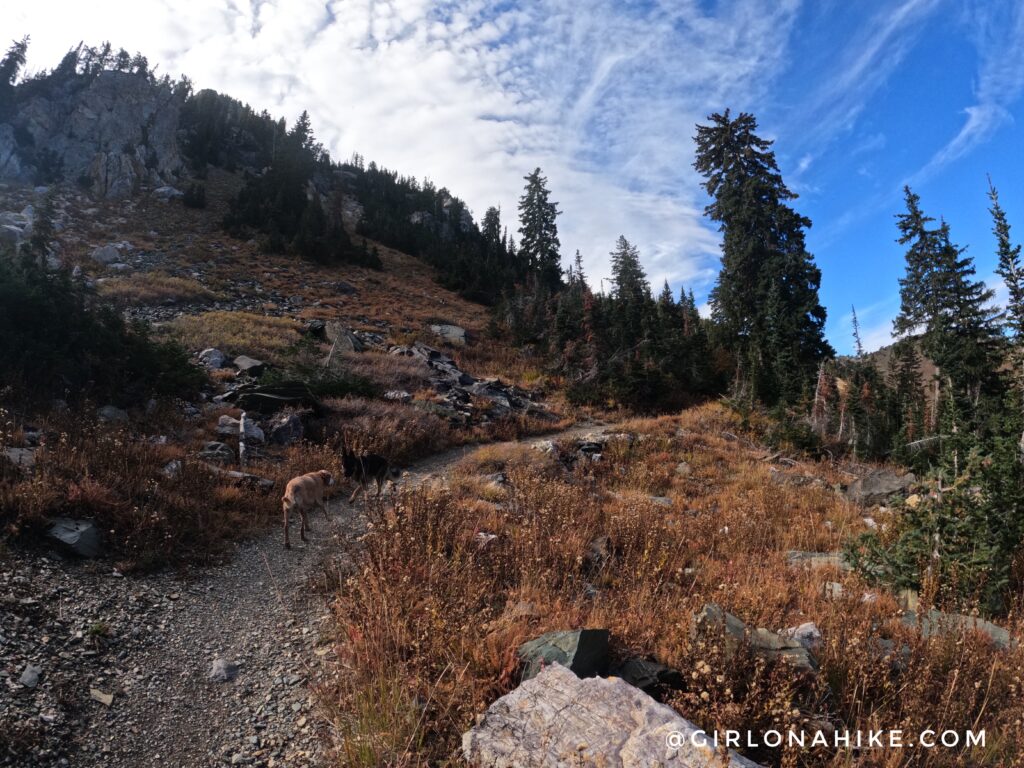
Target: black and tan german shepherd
364,467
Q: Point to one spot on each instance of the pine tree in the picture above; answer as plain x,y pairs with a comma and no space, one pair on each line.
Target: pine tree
1012,271
10,66
766,297
858,345
538,229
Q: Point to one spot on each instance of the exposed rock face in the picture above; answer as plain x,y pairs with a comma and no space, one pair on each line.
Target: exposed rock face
556,719
115,130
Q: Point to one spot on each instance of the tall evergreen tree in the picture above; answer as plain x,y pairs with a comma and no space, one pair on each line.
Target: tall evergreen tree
766,297
1011,270
10,66
538,230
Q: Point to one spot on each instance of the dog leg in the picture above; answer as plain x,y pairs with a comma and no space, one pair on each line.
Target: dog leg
323,506
287,544
302,528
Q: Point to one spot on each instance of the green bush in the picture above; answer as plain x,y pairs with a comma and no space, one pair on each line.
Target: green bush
58,341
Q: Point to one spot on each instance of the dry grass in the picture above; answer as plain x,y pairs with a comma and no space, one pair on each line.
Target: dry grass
154,288
387,372
150,518
237,333
405,433
426,640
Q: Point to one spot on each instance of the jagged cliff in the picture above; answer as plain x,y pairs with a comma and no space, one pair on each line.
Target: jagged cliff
112,132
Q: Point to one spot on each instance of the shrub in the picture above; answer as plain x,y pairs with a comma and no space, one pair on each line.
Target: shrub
195,195
58,341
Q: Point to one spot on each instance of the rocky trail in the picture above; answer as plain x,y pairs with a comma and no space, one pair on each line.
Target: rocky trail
215,668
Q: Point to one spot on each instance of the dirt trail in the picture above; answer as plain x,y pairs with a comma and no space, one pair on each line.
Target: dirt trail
257,611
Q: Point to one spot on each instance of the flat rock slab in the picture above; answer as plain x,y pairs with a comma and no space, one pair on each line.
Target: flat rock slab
815,560
936,623
557,719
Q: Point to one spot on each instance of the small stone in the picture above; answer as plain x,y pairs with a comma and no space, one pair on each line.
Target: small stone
223,671
30,676
106,699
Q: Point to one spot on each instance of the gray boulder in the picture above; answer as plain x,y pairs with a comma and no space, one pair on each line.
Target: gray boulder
106,254
286,429
935,623
23,458
30,676
807,634
453,334
878,486
556,719
112,414
79,537
212,358
167,192
223,671
229,426
342,338
584,651
398,396
249,365
712,621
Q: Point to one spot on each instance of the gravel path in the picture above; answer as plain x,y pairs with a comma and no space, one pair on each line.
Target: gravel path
151,644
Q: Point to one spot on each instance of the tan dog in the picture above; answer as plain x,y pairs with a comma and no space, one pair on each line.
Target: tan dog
302,494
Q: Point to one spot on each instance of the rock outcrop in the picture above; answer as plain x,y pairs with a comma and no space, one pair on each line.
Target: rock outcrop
557,719
112,132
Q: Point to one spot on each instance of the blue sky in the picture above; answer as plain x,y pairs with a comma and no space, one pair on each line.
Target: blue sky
860,97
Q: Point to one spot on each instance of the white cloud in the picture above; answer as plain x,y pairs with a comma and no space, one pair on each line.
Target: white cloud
475,95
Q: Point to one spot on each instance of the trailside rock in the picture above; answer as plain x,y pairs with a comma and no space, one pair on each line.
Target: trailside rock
286,429
807,634
249,365
453,334
30,676
936,623
223,671
80,537
341,338
229,426
584,651
712,620
556,719
212,358
877,486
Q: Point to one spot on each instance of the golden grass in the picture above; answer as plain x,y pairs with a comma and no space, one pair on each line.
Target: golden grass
426,632
154,288
237,333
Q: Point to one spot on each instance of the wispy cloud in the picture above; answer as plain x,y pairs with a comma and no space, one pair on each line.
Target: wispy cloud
998,31
861,67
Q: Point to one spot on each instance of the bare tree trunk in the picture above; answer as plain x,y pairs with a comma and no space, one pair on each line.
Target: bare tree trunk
241,441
